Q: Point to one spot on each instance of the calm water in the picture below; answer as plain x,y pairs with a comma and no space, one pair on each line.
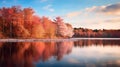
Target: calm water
78,53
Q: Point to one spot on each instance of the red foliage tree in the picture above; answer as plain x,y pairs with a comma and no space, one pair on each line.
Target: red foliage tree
22,23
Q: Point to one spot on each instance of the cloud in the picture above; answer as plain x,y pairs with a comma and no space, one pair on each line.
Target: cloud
73,14
113,20
95,8
43,0
112,9
49,8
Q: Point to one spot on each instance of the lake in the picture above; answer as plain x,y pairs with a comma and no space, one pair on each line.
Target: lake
61,53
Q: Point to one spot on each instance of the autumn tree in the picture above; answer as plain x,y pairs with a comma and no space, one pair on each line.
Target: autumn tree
49,27
37,30
17,22
63,30
28,16
70,30
84,32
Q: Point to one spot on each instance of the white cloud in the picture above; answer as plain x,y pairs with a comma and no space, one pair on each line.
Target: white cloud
113,20
106,16
73,14
112,9
49,8
95,8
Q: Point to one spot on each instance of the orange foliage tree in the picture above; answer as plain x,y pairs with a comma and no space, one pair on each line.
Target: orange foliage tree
22,23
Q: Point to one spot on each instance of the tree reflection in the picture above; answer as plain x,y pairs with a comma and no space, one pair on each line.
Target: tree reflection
83,43
23,54
63,48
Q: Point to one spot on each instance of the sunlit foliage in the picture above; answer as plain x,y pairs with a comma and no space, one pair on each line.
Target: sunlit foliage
17,22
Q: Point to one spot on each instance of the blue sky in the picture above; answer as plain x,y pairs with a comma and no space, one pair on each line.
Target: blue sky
80,13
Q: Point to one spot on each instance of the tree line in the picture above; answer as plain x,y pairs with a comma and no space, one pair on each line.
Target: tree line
17,22
85,32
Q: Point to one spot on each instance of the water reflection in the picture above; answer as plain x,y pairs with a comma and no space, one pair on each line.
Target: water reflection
83,43
35,54
23,54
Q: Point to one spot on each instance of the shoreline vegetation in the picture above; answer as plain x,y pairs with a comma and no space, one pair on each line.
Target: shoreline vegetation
17,22
96,33
22,23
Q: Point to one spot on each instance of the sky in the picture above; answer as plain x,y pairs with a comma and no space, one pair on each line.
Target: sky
93,14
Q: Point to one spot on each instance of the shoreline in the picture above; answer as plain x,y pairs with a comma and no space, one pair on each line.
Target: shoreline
56,40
